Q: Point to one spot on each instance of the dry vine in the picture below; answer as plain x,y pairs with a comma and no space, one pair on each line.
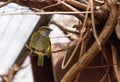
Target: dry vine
93,50
76,8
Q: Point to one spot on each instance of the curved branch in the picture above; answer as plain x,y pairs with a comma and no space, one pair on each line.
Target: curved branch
94,49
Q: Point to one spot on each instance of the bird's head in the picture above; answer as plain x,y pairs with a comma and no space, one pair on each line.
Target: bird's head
45,30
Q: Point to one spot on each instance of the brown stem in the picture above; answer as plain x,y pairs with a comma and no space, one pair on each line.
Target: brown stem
66,7
116,67
94,49
62,27
77,4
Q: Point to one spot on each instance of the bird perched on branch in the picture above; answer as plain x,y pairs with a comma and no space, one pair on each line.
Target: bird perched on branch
40,43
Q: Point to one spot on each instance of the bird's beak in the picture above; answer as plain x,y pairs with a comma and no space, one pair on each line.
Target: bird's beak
50,29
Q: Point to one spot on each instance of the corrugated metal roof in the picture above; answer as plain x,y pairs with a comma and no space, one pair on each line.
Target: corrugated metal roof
14,32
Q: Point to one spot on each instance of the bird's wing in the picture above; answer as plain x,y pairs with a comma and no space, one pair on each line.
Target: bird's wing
48,44
34,38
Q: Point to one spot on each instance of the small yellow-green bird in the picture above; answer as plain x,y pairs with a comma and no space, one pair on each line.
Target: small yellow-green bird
40,42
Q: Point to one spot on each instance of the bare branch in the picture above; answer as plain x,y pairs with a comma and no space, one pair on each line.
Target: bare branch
9,77
82,51
77,4
94,49
103,66
63,49
40,13
116,67
93,25
103,78
62,27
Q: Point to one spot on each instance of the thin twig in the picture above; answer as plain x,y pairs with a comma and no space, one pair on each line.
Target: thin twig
83,43
56,51
76,4
9,77
103,66
46,7
105,54
62,27
67,7
82,52
103,78
76,46
94,49
65,30
79,41
41,13
66,36
116,67
93,25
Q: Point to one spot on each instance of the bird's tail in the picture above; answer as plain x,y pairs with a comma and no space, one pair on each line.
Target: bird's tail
40,61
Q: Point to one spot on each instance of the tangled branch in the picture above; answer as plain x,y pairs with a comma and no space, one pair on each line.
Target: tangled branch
12,71
93,50
75,8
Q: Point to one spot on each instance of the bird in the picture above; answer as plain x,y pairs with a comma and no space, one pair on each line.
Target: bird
40,43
